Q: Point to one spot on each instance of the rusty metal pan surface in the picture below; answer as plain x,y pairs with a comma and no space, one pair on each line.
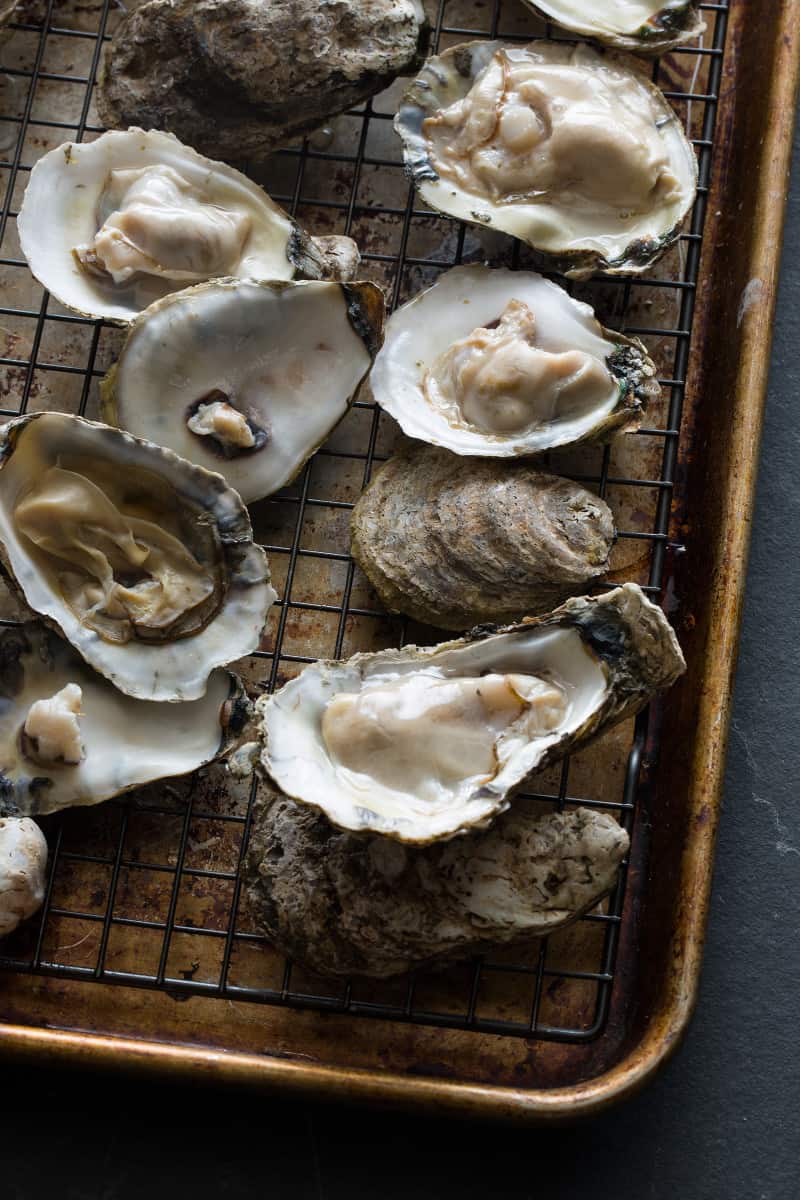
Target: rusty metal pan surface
145,956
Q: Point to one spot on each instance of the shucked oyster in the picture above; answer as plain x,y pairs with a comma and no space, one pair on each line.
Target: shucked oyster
68,737
142,560
571,150
457,544
503,363
646,26
347,905
246,378
422,744
239,78
110,226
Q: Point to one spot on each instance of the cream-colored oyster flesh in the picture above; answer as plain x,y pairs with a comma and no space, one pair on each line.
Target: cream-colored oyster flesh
570,149
120,742
246,378
378,742
142,560
499,363
23,866
456,544
644,26
112,225
351,905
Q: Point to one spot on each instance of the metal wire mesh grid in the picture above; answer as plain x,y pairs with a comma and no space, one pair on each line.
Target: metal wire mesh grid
146,892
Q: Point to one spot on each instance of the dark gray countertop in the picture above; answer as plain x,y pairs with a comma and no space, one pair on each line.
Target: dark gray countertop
720,1123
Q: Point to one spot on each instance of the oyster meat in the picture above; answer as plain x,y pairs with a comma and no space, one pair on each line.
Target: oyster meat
239,78
501,363
347,905
68,737
422,744
568,148
143,561
644,26
246,378
455,545
112,225
23,865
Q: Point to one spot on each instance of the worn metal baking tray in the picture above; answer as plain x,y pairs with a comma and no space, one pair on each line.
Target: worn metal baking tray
144,955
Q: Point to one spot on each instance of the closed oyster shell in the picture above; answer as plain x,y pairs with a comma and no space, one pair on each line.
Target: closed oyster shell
454,543
239,78
23,866
347,905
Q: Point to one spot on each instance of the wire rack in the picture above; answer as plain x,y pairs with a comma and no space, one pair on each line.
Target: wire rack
146,892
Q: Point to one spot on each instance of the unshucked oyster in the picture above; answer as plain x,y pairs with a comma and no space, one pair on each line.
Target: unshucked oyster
241,77
69,737
570,149
455,544
246,378
142,560
348,905
645,26
110,226
422,744
505,364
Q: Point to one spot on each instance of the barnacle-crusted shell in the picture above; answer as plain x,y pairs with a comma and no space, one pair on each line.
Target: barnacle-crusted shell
589,164
145,482
72,195
592,383
644,26
239,79
348,905
126,742
455,544
23,863
286,357
395,742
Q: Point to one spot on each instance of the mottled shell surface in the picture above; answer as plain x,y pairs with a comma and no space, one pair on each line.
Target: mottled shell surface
239,79
126,742
455,543
347,905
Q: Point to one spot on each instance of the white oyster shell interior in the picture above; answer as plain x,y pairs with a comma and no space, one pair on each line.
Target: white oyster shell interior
110,226
601,17
285,357
125,742
425,745
536,380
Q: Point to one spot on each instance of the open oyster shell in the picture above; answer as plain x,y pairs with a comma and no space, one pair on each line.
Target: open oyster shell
239,79
110,226
246,378
644,26
502,363
143,561
457,544
125,742
570,149
347,905
422,744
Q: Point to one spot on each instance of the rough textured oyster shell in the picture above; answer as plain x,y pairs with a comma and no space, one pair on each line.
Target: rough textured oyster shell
126,742
608,655
646,27
467,298
63,209
347,905
23,865
577,239
210,519
456,544
240,78
288,357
